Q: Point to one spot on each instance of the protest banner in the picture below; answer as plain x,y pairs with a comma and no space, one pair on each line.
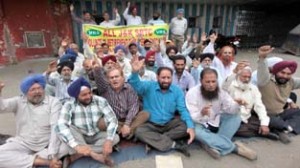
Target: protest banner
124,34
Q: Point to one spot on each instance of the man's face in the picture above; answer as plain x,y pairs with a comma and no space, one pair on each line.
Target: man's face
120,54
66,73
172,53
98,48
164,79
150,61
105,49
85,96
133,49
106,16
134,11
115,79
87,17
180,15
283,76
245,76
209,82
87,65
109,64
227,55
206,62
209,86
35,94
148,45
179,66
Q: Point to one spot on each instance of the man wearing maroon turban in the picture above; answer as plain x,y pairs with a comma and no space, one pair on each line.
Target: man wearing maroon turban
275,88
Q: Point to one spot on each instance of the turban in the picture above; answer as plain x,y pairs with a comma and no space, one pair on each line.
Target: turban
30,80
272,61
61,65
292,65
107,58
67,57
206,55
75,87
149,54
120,47
180,10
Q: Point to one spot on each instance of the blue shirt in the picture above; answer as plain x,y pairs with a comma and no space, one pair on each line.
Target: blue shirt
161,105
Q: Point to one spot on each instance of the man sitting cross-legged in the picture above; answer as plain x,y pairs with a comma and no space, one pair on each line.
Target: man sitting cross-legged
78,124
121,97
162,99
216,116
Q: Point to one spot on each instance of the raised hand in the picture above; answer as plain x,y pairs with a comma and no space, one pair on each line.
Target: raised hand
203,37
128,4
115,10
188,37
65,42
213,37
71,7
84,37
52,67
156,47
195,38
263,51
136,64
196,63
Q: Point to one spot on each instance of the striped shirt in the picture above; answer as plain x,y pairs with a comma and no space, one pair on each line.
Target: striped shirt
85,118
125,103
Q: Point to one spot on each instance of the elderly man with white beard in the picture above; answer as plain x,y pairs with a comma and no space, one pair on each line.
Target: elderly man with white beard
255,121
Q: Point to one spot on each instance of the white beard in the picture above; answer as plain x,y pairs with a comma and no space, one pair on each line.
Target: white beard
243,86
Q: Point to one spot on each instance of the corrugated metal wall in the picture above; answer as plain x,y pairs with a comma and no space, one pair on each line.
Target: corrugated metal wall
167,8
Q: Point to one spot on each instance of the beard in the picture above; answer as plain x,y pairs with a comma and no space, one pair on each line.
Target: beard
36,99
164,86
209,95
242,85
86,102
150,63
281,81
66,77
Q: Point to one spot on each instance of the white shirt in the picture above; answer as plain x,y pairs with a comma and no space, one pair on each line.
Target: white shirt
132,20
148,76
126,67
111,23
195,103
251,95
178,26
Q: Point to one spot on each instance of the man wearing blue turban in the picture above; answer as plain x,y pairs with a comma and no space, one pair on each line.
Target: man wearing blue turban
78,124
35,143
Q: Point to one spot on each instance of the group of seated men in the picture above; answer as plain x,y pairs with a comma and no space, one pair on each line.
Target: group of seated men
158,98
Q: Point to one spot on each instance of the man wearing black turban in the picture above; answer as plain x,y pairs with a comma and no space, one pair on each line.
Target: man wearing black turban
275,88
62,82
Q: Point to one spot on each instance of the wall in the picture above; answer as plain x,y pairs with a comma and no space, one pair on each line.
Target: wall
17,17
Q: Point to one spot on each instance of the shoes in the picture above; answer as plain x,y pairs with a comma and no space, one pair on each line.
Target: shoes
271,136
211,151
284,137
147,149
182,148
244,151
